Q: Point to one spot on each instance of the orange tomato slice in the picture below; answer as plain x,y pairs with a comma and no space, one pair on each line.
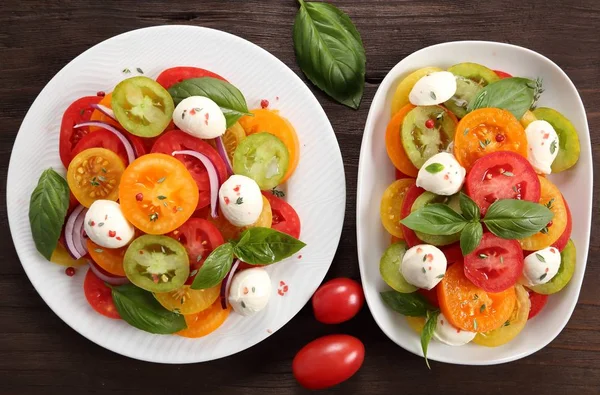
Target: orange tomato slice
99,116
488,130
232,232
187,300
206,321
393,143
109,259
470,308
265,120
391,205
157,194
553,199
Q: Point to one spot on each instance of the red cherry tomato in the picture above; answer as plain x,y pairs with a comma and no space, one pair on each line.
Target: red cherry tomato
99,296
562,241
174,75
285,218
79,111
412,194
328,361
502,74
337,300
538,301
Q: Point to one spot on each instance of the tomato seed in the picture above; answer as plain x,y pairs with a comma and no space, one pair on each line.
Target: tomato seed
429,124
70,271
500,138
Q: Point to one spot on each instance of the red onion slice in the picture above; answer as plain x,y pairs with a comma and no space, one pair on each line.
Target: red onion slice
223,153
76,245
213,177
226,285
116,132
106,276
105,110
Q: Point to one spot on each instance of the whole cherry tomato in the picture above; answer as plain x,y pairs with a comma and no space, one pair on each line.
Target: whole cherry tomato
337,300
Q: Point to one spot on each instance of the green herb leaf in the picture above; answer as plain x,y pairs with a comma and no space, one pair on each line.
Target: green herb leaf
427,333
516,219
139,70
513,94
410,304
263,246
470,237
553,147
140,309
277,193
161,197
215,267
435,219
469,209
228,97
482,308
540,258
330,52
434,168
47,211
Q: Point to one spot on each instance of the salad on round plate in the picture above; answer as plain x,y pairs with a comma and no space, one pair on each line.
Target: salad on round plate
480,236
173,197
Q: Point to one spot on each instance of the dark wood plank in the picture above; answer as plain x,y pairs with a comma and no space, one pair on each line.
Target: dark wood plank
40,354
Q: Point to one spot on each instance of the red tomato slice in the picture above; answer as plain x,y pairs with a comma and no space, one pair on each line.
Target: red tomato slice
495,265
452,252
99,296
174,75
412,194
502,74
176,140
79,111
502,175
400,175
285,218
200,238
102,139
430,295
538,301
562,241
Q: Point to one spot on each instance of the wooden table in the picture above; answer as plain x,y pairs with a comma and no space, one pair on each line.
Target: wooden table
40,354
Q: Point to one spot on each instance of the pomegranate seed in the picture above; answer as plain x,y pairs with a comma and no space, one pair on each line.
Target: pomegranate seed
500,138
101,94
70,271
549,224
139,197
429,124
264,103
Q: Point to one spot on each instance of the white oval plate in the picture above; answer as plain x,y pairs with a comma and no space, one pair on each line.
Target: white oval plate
259,75
376,172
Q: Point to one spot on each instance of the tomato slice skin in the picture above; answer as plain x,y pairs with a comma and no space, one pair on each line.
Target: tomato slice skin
108,259
412,193
337,301
562,241
175,75
285,218
495,265
176,140
102,139
502,175
206,321
502,74
99,296
393,143
538,302
79,111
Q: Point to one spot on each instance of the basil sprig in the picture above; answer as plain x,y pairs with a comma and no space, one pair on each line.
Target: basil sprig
140,309
427,332
47,211
515,94
330,52
256,246
228,97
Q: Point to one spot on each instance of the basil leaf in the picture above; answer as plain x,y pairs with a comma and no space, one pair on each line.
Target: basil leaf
427,333
469,209
412,304
330,52
228,97
263,246
140,309
434,168
470,237
516,219
47,211
515,94
215,267
435,219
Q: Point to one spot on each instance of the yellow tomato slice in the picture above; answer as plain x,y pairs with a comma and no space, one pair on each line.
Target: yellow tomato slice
61,257
232,138
416,323
403,90
187,300
391,204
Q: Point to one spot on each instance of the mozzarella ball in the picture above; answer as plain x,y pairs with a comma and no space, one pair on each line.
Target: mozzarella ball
441,174
540,267
240,200
423,266
447,333
434,88
542,143
250,291
200,117
106,225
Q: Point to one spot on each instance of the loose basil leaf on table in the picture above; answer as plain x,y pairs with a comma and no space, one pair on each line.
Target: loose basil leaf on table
215,267
435,219
411,304
516,219
470,237
515,94
330,52
263,246
427,333
47,210
140,309
228,97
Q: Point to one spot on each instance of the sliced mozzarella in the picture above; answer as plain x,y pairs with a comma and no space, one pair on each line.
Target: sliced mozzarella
447,333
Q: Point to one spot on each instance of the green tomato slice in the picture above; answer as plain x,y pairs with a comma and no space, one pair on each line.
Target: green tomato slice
564,275
156,263
427,198
466,90
421,142
389,267
262,157
475,72
142,106
568,139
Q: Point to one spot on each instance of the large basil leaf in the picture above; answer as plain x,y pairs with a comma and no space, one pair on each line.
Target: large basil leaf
215,267
515,94
330,52
263,246
468,208
516,219
470,237
47,211
228,97
427,333
435,219
140,309
412,304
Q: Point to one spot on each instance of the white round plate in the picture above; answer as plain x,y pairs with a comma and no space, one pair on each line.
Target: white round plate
259,75
376,172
